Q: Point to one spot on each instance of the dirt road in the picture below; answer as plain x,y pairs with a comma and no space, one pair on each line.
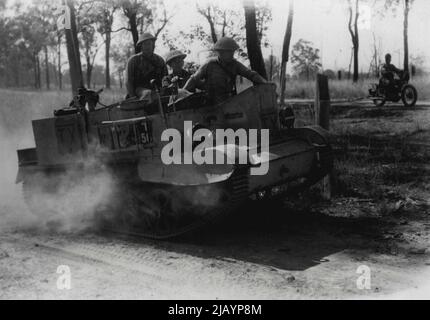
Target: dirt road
275,255
292,251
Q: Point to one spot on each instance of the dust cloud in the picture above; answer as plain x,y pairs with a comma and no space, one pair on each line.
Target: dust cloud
69,205
13,211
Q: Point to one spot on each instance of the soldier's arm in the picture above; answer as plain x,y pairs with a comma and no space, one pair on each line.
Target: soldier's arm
384,70
396,70
196,79
249,74
130,78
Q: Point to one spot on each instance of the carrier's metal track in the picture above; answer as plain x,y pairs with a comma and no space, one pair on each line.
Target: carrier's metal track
160,211
234,191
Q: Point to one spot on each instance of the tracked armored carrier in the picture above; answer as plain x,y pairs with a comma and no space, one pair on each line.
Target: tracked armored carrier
161,200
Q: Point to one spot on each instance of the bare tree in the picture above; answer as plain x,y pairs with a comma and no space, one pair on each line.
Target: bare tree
59,65
209,12
87,36
353,30
130,9
143,15
375,62
273,65
105,11
394,4
405,35
120,54
230,22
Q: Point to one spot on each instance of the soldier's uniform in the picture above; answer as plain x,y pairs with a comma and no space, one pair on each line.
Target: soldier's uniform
142,69
219,77
388,70
182,75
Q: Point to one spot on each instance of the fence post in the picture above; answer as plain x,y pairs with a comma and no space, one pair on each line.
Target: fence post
322,118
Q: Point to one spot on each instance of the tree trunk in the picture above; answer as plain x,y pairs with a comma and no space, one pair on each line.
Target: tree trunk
35,69
46,68
120,79
107,53
38,80
405,37
271,67
286,50
130,11
350,64
133,29
212,27
252,40
17,74
17,79
355,76
73,52
356,43
89,71
354,37
60,75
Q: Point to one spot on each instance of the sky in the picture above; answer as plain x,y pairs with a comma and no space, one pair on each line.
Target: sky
324,23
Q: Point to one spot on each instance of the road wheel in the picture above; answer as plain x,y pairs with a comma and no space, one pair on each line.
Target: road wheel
409,95
163,211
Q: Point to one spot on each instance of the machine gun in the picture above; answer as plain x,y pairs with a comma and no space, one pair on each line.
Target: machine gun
85,101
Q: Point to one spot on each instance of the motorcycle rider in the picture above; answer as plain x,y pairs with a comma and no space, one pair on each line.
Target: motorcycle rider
388,71
144,67
219,73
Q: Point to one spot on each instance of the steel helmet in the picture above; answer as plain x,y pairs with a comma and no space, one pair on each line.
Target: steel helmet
226,43
175,54
146,36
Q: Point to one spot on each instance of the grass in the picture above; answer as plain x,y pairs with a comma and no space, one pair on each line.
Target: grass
396,169
366,169
345,89
342,89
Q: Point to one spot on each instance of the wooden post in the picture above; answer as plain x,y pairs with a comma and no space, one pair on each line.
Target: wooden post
322,102
322,118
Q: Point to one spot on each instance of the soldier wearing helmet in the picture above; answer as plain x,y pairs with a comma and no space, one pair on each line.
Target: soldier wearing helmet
388,71
175,60
144,67
219,73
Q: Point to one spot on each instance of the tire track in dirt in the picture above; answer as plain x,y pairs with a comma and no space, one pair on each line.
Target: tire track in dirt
199,277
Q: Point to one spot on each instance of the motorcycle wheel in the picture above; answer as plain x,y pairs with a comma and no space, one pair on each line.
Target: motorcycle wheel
409,95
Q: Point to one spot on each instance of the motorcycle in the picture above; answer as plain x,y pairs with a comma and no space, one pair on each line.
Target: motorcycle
393,91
